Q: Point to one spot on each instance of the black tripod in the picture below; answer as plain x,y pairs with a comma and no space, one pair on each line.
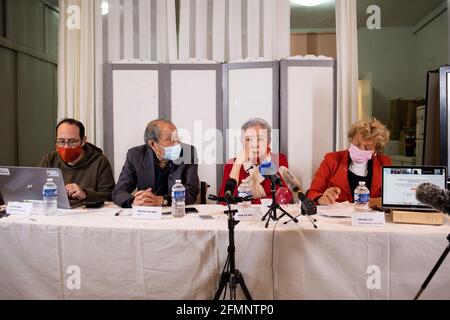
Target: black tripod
304,213
230,275
435,269
272,213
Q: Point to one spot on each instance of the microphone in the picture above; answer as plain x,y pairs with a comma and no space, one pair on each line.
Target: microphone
268,170
230,187
434,196
233,199
308,206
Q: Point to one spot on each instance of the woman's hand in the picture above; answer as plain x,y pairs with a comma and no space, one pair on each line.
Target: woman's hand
242,158
329,196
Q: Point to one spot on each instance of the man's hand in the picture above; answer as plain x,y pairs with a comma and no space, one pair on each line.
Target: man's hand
75,192
147,198
329,197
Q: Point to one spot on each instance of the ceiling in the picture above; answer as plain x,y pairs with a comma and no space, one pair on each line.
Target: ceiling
394,13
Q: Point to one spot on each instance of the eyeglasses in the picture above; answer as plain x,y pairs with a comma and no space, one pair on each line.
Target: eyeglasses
71,142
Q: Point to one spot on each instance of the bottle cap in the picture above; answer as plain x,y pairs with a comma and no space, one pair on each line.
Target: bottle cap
178,181
49,179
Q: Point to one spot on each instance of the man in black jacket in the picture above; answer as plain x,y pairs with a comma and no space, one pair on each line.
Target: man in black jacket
153,168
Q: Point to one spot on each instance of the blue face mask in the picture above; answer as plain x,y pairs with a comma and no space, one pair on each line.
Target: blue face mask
172,153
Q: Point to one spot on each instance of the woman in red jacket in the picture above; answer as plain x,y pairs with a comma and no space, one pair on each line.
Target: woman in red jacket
256,138
340,172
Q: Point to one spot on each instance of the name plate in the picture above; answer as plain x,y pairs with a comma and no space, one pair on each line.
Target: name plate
248,214
368,219
147,213
19,208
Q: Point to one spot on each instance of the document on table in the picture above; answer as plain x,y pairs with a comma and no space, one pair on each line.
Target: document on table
338,210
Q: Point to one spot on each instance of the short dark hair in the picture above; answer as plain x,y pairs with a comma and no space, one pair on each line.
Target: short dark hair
153,131
72,122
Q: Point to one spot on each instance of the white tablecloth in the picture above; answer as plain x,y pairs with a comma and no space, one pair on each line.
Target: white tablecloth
122,258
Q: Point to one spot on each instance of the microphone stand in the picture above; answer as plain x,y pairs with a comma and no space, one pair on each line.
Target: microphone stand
230,275
304,213
272,213
435,269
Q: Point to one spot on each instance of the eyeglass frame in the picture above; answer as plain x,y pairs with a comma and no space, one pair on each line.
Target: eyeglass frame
71,143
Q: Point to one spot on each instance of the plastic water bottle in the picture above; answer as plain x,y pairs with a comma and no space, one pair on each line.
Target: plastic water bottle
178,199
50,197
362,197
245,190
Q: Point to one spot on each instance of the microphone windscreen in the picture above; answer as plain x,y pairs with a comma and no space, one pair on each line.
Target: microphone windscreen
267,169
230,186
284,196
292,182
433,196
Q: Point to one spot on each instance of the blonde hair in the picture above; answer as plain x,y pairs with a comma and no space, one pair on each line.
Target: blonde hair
373,130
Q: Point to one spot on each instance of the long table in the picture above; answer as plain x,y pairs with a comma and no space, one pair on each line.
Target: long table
117,257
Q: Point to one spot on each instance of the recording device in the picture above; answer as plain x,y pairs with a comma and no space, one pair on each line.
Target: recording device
434,196
268,171
308,206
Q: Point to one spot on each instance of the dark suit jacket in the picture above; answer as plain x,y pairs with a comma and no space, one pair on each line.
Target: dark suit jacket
139,173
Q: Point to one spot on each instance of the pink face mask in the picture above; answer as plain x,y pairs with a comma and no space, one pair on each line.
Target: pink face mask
360,156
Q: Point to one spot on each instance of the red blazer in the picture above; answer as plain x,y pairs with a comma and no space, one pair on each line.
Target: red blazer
279,161
333,172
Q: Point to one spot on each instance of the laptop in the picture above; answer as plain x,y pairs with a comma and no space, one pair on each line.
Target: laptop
25,184
400,185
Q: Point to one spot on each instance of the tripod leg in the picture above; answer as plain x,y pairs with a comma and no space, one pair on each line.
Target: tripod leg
240,280
224,278
433,272
285,213
223,282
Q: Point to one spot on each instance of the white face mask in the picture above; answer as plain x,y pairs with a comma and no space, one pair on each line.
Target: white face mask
172,153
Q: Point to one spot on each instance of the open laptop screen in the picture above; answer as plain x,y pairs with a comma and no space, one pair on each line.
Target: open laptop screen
400,185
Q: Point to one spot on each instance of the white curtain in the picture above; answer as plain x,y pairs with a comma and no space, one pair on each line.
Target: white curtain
138,30
347,69
217,30
76,61
228,30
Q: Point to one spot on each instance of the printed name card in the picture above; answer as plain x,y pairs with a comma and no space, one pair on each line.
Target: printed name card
368,219
248,214
19,208
147,213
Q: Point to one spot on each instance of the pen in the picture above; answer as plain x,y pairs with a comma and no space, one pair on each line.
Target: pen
118,213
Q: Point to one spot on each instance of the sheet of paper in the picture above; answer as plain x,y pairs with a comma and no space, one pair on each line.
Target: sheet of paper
338,210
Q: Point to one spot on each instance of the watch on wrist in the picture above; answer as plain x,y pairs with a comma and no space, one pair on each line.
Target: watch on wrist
166,200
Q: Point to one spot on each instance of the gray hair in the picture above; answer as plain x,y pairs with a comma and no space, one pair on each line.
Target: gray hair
153,130
258,122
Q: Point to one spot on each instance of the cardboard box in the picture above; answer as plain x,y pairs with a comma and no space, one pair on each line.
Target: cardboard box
414,217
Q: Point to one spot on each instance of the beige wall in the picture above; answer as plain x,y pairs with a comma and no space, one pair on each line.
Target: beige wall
313,43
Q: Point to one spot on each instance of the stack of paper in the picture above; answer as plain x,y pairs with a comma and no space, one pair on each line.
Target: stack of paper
338,210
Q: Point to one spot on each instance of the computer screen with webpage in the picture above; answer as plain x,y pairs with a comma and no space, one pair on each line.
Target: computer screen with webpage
400,184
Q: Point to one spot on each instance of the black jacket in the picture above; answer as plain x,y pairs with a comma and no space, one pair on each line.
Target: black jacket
139,173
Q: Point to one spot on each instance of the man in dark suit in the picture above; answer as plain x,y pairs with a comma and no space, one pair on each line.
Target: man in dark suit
153,168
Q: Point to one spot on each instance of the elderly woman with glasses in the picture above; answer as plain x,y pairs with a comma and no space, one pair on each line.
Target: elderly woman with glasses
340,172
256,154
